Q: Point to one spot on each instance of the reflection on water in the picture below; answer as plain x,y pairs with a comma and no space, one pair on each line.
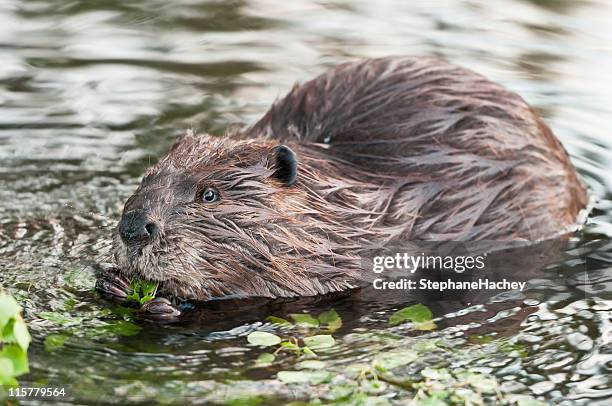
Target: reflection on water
92,92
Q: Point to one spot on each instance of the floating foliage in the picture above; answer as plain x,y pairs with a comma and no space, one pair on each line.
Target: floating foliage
74,326
311,364
54,342
263,339
64,320
299,346
376,377
315,377
123,328
319,341
418,314
14,342
265,359
142,292
330,319
305,320
279,321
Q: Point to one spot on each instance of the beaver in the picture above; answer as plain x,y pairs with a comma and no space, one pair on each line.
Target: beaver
378,151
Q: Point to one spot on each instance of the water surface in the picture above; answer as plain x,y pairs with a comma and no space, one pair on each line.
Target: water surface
92,92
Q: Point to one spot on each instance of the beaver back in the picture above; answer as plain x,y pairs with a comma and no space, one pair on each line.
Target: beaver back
486,164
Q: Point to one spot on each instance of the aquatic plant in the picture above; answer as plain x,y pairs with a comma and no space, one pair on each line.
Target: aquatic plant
14,342
428,370
142,292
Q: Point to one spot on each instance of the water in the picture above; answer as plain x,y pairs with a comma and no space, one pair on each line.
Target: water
92,92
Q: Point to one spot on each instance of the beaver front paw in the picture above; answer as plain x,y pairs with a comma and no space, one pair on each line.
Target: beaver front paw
159,309
112,285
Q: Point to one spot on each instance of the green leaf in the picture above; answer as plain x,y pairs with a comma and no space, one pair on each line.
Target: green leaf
123,328
466,396
149,288
61,319
440,374
69,304
133,297
355,370
331,319
426,326
481,383
8,309
373,386
263,338
265,359
393,359
7,336
340,392
318,377
142,291
311,364
425,345
431,401
515,349
293,376
7,373
319,341
55,341
278,320
14,342
254,400
290,346
417,314
308,351
305,320
313,377
20,331
529,401
18,357
146,299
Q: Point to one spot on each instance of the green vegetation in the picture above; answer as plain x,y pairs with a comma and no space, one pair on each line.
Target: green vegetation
14,342
301,356
418,314
430,371
304,346
142,292
119,324
263,339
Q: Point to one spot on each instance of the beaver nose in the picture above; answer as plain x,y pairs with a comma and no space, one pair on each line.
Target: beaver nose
135,226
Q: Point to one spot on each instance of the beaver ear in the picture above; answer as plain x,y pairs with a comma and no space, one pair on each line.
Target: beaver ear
285,164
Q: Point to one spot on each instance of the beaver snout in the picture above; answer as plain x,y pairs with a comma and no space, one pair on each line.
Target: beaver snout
136,227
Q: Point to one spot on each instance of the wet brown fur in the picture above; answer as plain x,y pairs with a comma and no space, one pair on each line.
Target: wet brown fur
389,150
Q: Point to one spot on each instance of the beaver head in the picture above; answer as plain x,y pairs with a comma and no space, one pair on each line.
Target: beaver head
224,217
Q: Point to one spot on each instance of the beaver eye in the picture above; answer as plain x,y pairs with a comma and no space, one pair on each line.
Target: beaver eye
210,195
